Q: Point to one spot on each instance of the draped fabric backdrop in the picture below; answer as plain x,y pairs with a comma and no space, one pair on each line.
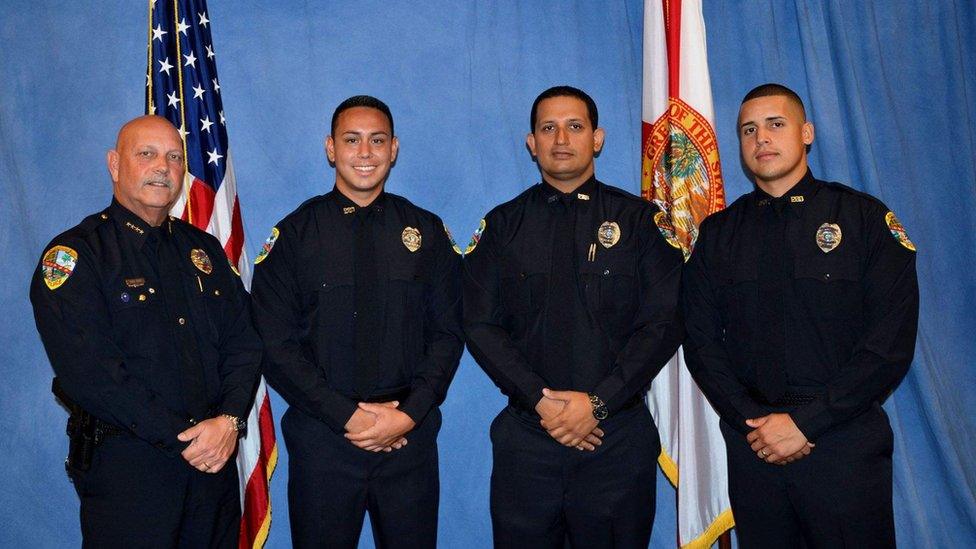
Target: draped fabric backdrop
890,85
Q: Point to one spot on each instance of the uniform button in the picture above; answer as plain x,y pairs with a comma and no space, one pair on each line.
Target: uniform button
606,272
152,290
522,275
216,292
181,320
132,426
826,276
159,445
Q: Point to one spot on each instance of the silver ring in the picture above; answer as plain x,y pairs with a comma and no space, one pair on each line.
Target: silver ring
764,454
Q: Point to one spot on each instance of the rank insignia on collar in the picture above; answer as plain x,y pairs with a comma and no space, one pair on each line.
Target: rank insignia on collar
349,210
450,239
581,196
797,198
201,260
268,244
666,229
410,238
57,265
608,234
898,231
475,238
829,236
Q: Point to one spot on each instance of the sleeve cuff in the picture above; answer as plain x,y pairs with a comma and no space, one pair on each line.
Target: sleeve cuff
337,415
813,419
417,404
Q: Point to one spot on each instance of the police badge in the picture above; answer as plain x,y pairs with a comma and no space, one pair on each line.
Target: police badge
608,234
410,238
201,260
829,236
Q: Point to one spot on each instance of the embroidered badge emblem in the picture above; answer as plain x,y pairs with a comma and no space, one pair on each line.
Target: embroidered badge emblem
898,231
608,234
57,265
410,238
829,236
475,238
268,244
667,229
450,239
201,260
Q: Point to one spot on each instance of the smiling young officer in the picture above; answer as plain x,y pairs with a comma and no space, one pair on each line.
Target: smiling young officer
801,304
571,307
357,297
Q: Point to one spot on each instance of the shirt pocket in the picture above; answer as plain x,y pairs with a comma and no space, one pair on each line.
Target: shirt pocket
522,288
618,290
136,322
827,286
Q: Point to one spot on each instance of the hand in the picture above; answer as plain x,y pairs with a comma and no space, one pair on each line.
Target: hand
386,432
212,442
574,425
804,452
776,438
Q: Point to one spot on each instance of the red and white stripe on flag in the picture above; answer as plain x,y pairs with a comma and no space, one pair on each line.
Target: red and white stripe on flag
182,85
681,173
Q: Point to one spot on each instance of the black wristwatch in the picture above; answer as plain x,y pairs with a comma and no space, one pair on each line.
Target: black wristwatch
600,411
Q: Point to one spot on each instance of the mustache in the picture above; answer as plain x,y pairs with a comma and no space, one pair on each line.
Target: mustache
157,180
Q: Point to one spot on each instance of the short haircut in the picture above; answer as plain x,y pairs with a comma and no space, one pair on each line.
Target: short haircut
773,89
362,101
566,91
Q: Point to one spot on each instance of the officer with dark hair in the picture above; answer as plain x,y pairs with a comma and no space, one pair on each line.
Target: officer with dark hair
801,305
149,332
357,297
571,307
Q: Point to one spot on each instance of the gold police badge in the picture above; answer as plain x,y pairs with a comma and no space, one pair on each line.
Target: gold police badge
410,238
608,234
829,236
898,231
57,265
201,260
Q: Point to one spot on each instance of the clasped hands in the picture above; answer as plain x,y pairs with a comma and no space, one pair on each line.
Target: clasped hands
212,443
775,438
568,418
378,427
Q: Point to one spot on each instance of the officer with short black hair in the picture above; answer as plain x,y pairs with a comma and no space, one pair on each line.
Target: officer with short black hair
148,330
357,297
801,305
571,307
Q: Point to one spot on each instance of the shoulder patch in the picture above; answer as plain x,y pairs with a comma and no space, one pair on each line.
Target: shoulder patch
57,265
450,238
666,229
268,244
898,231
475,238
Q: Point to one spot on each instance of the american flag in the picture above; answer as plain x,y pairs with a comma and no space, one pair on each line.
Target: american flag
182,85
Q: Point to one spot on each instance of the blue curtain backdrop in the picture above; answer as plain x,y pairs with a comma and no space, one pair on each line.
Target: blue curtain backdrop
890,85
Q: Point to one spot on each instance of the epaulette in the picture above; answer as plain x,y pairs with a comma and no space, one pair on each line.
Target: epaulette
840,187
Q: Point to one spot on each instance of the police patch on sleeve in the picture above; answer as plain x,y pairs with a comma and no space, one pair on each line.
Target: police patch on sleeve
475,238
57,265
268,244
450,239
666,229
898,231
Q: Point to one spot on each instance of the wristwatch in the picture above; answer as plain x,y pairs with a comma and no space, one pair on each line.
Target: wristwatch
240,426
600,411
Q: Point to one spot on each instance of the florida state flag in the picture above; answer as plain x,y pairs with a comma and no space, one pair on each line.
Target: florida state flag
681,173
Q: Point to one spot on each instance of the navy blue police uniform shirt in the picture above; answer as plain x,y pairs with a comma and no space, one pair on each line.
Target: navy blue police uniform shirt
305,296
845,304
624,275
148,329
